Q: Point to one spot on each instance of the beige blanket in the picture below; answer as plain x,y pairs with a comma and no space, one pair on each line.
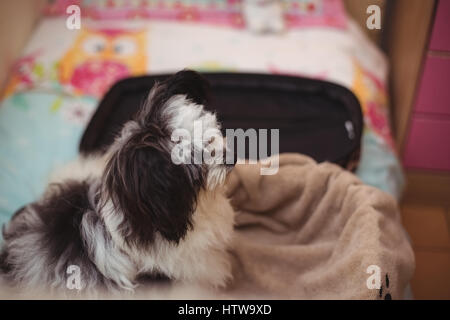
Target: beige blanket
312,230
309,232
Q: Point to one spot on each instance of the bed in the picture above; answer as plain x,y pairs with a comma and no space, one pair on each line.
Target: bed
52,92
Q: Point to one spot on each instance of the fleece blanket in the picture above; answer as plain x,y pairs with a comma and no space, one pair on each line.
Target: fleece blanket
311,231
315,231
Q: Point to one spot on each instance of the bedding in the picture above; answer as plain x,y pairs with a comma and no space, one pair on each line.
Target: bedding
229,13
312,241
56,85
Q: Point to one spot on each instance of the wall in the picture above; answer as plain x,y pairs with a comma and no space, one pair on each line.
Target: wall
17,20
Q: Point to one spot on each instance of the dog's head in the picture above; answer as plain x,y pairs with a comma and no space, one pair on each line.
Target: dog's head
162,159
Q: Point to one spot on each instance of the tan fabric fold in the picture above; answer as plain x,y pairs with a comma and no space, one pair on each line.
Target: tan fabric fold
312,230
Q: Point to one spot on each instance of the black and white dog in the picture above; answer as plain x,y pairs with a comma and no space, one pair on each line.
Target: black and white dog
131,211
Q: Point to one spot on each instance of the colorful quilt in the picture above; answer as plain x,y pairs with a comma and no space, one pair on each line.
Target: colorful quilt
56,85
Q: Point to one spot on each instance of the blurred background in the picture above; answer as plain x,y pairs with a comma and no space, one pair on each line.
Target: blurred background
400,73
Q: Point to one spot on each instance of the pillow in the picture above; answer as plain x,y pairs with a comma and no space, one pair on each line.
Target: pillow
297,13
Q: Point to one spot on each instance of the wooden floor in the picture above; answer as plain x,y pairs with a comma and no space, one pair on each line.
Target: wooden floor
429,227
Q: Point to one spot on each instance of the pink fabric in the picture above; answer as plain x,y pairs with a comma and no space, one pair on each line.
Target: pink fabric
93,77
330,13
298,13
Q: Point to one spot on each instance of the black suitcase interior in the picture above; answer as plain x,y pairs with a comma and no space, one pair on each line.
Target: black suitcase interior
317,118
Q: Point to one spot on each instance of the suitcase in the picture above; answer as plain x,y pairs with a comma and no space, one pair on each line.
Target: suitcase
318,118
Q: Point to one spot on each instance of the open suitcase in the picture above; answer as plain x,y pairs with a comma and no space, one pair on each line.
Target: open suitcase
317,118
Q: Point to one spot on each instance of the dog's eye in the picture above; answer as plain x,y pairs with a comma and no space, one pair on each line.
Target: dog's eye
211,140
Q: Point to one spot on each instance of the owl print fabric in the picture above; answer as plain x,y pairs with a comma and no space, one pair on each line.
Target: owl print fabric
101,57
79,62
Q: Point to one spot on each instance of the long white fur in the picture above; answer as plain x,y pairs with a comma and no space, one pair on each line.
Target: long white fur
202,256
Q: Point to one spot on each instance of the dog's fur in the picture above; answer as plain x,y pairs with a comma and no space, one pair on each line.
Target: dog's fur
130,212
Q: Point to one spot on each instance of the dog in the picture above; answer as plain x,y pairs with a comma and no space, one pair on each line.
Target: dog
131,212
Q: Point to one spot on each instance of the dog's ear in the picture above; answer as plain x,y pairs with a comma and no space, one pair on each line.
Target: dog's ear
186,82
189,83
152,193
